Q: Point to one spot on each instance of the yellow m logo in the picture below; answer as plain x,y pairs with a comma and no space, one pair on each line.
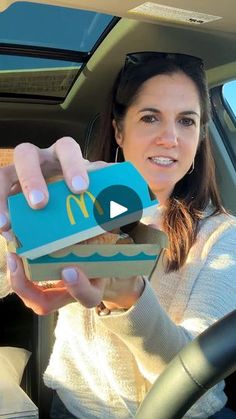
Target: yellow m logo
81,203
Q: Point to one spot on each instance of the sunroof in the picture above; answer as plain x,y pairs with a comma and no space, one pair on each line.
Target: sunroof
32,37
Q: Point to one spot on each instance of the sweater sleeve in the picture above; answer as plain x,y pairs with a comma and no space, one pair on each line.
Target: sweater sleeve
151,335
5,287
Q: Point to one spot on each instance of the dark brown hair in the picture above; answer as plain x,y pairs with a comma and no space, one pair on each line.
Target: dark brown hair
193,193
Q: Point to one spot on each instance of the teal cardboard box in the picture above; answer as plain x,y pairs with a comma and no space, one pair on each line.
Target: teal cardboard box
103,260
49,238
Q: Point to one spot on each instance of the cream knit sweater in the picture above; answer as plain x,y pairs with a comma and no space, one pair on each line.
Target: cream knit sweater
102,367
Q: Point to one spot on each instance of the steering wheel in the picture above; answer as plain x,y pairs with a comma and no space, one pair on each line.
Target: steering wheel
200,365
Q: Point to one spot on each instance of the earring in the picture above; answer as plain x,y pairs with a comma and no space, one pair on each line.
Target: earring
192,169
117,154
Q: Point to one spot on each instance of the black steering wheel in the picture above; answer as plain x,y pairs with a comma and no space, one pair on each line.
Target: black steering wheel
200,365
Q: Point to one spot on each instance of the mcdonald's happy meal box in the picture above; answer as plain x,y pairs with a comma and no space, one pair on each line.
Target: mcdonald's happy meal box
70,229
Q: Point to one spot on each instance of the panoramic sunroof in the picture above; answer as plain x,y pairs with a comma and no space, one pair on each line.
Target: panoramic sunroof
32,33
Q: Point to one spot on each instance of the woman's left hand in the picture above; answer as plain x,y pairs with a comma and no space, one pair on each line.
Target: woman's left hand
114,292
74,286
42,299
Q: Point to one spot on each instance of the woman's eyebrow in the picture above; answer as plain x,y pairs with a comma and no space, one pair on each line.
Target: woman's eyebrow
154,110
189,113
150,110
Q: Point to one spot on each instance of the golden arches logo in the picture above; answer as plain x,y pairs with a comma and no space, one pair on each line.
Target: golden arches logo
80,201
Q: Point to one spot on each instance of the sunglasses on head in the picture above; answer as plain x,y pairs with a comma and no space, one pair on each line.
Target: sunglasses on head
182,60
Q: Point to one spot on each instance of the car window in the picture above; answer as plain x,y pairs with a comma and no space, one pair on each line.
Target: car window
36,63
224,115
229,95
63,27
6,156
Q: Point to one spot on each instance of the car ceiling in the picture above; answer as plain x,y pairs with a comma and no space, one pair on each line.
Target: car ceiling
123,8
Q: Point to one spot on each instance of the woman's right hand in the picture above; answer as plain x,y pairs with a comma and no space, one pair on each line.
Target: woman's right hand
32,166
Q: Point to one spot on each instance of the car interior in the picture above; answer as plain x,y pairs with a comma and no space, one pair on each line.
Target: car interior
65,94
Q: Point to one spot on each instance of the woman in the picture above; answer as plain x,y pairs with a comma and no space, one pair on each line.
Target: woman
106,358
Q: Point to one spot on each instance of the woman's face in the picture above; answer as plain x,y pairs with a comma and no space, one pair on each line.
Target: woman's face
161,129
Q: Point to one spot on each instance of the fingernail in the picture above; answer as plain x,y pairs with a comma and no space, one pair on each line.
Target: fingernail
70,275
8,236
36,197
78,183
11,263
3,220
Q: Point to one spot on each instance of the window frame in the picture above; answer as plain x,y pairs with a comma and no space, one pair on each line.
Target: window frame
220,109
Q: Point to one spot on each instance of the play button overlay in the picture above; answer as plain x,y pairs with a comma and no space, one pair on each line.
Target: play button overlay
120,206
116,209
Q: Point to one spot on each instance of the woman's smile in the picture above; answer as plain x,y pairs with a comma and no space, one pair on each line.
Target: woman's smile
162,161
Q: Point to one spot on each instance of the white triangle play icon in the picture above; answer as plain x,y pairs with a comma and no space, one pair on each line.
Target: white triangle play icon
116,209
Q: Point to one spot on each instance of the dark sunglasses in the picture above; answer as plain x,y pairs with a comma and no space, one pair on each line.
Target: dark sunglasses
182,60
